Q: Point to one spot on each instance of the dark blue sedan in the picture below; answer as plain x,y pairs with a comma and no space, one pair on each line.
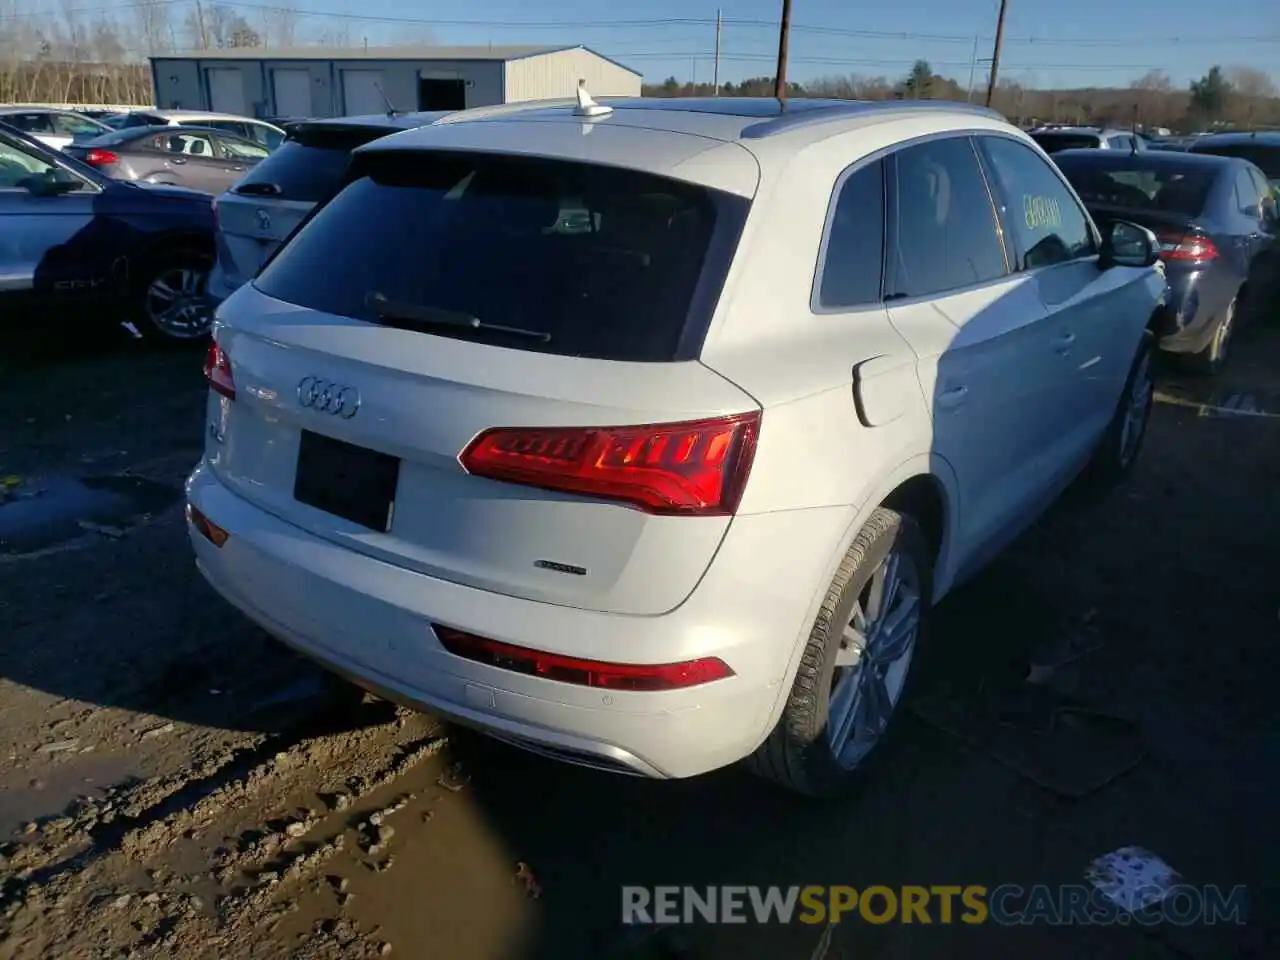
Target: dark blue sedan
77,247
1217,225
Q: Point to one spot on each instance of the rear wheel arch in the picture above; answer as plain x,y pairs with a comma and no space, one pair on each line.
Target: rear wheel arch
926,483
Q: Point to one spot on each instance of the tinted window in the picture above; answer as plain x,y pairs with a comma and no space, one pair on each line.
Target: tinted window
1248,199
945,231
855,245
1263,157
141,120
1260,181
236,149
1138,183
1036,206
309,166
1053,142
189,144
451,236
231,126
30,122
69,124
17,163
1121,143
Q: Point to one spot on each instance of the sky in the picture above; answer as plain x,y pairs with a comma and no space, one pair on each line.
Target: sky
1048,43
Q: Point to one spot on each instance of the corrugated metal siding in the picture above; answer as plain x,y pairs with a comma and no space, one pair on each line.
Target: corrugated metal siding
557,75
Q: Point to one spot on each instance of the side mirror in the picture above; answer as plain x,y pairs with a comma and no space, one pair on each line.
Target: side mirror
1126,244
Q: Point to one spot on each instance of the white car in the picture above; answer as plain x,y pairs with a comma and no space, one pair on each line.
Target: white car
645,434
54,128
259,131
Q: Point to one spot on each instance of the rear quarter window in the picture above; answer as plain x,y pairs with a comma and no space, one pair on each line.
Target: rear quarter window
583,260
1053,142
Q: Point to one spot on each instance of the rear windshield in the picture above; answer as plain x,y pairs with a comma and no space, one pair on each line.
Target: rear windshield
1267,159
1053,142
545,255
308,166
140,120
1181,188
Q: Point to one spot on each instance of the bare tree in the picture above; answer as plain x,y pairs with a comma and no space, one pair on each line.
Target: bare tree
1254,93
280,26
1153,89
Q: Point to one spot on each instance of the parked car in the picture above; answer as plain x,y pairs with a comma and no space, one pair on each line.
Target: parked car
682,488
267,134
207,160
1051,140
53,128
98,114
1261,148
79,247
263,208
1217,227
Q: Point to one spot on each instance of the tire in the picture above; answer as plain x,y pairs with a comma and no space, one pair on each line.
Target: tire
1117,452
1208,362
799,754
185,273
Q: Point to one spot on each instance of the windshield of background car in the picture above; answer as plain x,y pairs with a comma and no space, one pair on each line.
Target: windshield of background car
1138,184
1053,142
584,260
308,166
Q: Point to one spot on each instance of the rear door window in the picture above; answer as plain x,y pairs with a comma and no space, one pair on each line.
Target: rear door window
944,235
38,123
464,245
853,261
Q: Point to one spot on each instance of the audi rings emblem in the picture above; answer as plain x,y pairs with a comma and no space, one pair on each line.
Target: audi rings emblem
323,396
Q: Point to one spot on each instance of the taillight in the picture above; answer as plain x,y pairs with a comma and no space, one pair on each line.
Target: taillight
583,673
692,468
217,370
206,527
1178,246
97,157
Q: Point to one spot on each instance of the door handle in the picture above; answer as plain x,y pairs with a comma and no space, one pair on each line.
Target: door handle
1063,343
178,160
950,399
237,169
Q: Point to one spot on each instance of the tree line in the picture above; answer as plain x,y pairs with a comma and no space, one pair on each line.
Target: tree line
1234,96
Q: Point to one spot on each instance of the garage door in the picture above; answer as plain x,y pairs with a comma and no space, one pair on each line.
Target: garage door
361,92
292,90
226,90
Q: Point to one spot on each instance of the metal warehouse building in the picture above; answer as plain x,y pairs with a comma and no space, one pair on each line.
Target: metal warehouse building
324,82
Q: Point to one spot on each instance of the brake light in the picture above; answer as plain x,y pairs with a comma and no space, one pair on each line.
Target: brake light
1177,246
692,468
583,673
97,157
217,370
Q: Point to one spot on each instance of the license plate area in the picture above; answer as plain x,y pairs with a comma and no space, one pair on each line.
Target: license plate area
347,481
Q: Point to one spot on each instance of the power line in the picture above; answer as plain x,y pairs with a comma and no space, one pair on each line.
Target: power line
654,23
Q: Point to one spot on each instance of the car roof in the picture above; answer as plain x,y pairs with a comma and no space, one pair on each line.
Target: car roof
1148,157
396,121
658,135
169,130
12,108
1263,138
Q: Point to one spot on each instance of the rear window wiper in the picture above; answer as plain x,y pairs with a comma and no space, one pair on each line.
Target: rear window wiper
259,190
413,315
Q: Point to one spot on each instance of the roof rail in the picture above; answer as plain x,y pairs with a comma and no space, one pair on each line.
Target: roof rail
505,109
813,116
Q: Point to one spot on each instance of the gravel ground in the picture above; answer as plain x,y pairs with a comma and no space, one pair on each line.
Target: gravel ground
177,785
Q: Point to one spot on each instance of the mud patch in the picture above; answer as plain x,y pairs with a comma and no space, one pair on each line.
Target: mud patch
37,513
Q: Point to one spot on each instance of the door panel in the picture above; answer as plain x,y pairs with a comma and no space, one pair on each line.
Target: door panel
1091,344
985,365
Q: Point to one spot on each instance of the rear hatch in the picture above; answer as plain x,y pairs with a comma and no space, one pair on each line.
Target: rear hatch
443,297
265,206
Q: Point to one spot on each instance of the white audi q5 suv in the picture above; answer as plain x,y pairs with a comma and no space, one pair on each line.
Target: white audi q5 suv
645,433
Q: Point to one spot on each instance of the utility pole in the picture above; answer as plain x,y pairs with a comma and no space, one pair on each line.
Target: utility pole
995,53
715,76
204,37
973,66
784,37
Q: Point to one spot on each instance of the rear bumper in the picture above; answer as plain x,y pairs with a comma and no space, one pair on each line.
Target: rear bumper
371,622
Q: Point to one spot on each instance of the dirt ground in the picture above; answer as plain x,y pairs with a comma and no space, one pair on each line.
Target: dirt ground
174,784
